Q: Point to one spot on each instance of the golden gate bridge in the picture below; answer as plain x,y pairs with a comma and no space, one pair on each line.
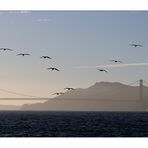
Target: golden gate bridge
32,97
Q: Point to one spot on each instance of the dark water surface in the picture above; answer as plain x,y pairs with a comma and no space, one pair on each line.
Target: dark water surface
73,124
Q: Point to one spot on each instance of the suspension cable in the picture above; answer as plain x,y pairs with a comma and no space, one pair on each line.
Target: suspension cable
20,94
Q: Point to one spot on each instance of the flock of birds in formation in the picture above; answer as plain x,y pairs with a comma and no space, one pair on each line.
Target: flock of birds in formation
56,69
27,54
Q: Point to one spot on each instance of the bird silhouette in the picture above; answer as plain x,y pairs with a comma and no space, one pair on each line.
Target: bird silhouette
59,93
53,68
69,88
136,45
45,57
116,61
4,49
23,54
102,70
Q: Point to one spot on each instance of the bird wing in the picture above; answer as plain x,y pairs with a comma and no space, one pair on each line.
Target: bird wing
42,57
68,88
56,69
102,70
5,49
48,57
8,49
45,57
61,93
20,54
135,45
132,44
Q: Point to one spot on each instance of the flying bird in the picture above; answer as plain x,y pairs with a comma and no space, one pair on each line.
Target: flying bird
4,49
136,45
69,88
59,93
102,70
45,57
116,61
53,68
23,54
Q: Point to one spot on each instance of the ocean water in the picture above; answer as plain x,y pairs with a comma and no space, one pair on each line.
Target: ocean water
73,124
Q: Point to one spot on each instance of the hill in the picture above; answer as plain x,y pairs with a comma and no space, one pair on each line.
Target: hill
102,96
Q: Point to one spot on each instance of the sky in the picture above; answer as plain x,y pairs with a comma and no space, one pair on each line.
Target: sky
72,39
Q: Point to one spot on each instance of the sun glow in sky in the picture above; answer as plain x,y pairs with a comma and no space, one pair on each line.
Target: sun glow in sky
71,39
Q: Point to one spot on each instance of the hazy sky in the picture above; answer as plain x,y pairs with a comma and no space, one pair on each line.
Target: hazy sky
71,39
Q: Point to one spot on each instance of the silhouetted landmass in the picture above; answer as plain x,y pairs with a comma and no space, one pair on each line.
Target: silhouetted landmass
103,96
